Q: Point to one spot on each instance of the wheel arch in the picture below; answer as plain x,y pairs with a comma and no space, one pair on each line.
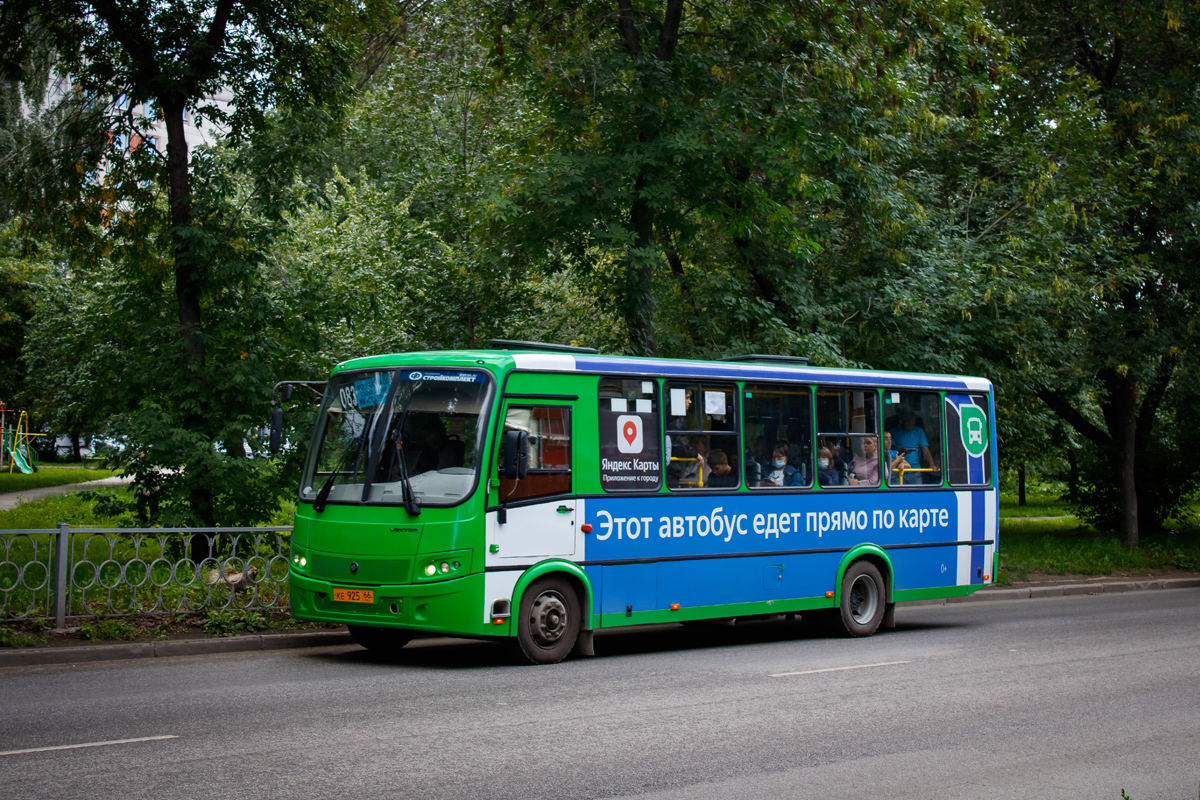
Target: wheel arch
866,552
573,573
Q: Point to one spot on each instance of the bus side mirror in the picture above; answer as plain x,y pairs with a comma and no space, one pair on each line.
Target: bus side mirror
287,392
516,454
276,428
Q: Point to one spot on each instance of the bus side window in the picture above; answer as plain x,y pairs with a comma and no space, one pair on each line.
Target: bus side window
549,429
775,415
848,437
913,423
701,418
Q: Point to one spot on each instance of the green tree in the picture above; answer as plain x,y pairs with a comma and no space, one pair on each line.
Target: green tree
171,245
404,240
1084,233
741,163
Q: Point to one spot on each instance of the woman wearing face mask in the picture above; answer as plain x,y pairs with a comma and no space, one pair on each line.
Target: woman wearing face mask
827,473
779,472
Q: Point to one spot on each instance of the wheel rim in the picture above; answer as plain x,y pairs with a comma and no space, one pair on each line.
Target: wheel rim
864,599
548,619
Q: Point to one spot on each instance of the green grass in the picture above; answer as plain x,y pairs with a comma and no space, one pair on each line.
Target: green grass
19,482
1063,547
68,508
1035,507
147,552
1041,500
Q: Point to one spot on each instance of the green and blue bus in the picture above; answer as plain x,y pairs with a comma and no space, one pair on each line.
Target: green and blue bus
540,493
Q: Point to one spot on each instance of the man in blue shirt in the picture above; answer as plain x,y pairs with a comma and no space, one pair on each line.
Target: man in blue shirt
911,438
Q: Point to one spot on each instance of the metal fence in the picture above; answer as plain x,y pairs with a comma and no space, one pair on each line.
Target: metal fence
69,573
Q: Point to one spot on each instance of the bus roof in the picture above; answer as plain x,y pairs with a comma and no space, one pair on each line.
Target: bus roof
541,361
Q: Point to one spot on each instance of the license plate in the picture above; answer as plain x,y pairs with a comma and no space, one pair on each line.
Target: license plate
354,595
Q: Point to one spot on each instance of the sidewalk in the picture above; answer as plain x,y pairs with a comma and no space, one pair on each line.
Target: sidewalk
11,500
191,645
1068,586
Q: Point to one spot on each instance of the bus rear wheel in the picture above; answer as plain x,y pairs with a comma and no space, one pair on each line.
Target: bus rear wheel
864,599
385,641
549,621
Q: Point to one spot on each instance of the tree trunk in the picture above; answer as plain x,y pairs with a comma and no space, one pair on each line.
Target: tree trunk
187,290
1021,485
187,297
1120,414
1119,443
638,302
1127,523
1072,475
75,454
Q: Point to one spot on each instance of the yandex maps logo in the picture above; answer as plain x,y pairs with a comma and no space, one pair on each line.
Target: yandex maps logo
629,434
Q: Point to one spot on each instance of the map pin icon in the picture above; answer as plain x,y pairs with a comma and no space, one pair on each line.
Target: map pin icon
629,432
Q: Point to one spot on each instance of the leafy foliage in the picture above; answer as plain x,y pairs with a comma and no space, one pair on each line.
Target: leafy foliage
225,622
994,186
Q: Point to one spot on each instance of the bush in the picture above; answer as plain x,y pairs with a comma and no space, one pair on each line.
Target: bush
1168,477
226,622
107,630
14,638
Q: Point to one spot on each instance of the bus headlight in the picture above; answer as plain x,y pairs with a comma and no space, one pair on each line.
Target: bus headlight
441,566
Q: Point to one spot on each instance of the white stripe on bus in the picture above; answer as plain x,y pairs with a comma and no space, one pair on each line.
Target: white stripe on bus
965,534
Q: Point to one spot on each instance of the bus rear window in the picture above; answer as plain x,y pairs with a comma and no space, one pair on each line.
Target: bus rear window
968,455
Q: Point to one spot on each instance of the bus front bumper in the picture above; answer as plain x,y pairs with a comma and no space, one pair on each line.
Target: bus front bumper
453,607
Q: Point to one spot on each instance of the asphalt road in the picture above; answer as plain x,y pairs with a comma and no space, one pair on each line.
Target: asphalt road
1071,697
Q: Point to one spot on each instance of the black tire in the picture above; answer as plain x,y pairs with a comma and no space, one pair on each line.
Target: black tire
549,621
385,641
864,599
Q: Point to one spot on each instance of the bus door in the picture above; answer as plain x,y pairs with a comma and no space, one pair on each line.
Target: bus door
539,509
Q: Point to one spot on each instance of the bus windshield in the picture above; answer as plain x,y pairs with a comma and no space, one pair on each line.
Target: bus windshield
376,426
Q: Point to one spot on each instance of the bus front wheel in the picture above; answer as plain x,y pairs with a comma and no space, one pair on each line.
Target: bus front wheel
385,641
549,621
864,599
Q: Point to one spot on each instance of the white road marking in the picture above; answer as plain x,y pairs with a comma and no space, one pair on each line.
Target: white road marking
836,669
86,744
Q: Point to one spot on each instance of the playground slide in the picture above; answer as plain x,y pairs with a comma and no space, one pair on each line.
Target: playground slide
16,445
19,460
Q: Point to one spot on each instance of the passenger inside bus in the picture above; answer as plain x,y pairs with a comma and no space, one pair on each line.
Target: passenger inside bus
778,472
911,442
892,460
866,466
827,473
721,475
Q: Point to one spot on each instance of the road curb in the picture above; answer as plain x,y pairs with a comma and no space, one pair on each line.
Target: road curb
1061,590
36,656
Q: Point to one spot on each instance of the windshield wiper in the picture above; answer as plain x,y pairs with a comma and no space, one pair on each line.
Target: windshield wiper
410,499
323,494
406,491
407,494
